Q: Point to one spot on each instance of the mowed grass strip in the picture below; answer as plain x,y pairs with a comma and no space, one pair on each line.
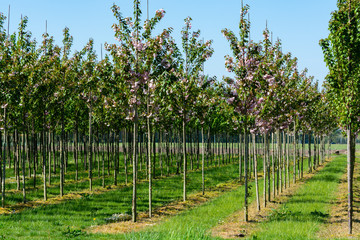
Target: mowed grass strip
196,223
304,213
69,219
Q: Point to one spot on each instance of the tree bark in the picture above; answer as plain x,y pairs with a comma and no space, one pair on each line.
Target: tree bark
202,161
350,173
255,174
184,156
246,217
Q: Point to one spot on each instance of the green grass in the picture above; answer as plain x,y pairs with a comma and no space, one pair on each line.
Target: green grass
53,190
298,219
65,220
303,213
68,219
196,223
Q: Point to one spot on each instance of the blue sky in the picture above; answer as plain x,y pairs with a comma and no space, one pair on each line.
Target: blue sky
300,24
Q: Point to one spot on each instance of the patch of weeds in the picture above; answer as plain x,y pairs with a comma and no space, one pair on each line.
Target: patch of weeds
88,196
72,233
57,223
118,217
320,214
2,236
280,214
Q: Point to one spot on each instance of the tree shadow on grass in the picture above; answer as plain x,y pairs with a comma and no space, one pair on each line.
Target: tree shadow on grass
284,214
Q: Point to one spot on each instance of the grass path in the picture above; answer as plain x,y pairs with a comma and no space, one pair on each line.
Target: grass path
196,223
337,226
305,212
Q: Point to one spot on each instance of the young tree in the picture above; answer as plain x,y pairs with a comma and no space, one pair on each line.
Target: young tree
139,54
244,88
342,56
196,52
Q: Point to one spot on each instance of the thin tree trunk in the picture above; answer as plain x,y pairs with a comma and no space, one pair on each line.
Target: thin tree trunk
90,145
24,167
255,174
202,160
264,154
149,164
273,163
350,171
246,218
309,159
240,157
184,157
62,155
3,175
135,136
294,173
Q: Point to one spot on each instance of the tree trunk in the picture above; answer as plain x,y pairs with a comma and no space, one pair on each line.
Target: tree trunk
294,173
255,174
264,154
184,156
23,167
246,218
202,160
273,163
350,172
62,155
149,164
240,157
135,136
3,175
309,159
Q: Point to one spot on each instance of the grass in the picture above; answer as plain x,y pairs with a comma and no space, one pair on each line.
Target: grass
71,186
196,223
33,194
302,216
68,219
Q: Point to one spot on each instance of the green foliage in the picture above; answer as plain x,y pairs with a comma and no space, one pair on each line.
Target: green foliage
342,56
70,233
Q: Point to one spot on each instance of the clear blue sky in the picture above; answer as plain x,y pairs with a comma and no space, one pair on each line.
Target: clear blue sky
300,24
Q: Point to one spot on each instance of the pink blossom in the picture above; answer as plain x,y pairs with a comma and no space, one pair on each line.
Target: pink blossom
230,100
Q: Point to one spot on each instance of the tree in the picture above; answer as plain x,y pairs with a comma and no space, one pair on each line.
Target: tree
139,54
185,89
342,56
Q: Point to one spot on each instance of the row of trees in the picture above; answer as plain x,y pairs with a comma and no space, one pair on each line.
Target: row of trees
147,90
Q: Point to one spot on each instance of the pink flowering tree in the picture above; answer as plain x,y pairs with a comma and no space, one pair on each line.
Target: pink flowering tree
184,90
18,55
243,93
139,54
